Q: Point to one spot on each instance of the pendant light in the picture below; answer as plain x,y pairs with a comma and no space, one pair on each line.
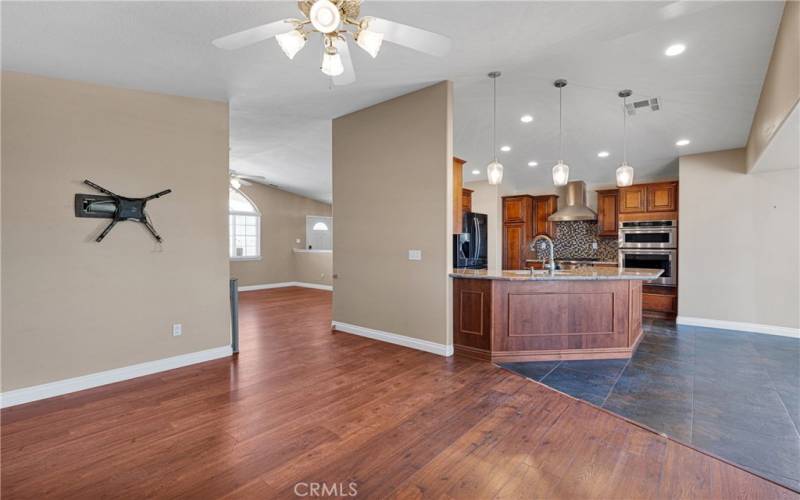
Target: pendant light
624,171
561,169
494,170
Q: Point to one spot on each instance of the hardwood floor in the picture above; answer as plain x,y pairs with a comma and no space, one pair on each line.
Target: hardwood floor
303,405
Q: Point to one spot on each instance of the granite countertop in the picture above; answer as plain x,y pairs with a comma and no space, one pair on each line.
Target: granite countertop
586,273
588,262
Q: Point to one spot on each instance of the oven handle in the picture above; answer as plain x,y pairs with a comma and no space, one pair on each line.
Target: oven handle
670,252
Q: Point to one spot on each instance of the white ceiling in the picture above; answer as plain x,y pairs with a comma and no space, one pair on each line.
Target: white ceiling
281,109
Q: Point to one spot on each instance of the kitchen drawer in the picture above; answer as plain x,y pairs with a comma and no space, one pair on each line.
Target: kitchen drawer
659,302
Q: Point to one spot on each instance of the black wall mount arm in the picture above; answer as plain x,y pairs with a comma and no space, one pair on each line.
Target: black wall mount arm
115,207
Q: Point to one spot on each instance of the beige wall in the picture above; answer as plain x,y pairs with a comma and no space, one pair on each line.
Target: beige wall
781,89
739,241
72,306
283,221
391,192
313,267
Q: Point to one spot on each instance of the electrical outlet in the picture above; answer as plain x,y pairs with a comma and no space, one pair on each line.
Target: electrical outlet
297,241
177,330
415,255
594,245
322,276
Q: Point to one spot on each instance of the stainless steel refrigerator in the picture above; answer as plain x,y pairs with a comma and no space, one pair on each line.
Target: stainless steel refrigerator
469,247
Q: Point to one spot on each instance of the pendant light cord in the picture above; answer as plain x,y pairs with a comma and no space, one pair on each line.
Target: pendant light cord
494,118
624,131
560,126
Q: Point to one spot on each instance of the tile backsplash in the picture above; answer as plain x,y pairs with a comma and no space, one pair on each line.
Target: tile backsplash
574,240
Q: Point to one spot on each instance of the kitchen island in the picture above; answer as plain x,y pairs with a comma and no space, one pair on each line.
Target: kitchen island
584,313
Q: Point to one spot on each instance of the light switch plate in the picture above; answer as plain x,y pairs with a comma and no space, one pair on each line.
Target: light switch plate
177,330
415,255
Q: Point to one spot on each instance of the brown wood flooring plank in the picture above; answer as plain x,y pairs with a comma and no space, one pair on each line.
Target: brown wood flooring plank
301,403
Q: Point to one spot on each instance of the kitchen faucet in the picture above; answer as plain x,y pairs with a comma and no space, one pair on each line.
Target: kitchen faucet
552,265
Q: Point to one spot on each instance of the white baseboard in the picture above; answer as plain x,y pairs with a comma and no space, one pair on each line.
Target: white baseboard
394,338
249,288
60,387
783,331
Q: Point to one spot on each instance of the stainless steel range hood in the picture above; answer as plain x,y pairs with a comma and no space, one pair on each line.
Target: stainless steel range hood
576,208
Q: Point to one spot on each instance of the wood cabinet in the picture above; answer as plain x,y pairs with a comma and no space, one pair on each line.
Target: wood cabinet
517,230
656,197
544,207
607,208
662,197
524,217
458,183
466,201
660,301
517,208
633,199
515,237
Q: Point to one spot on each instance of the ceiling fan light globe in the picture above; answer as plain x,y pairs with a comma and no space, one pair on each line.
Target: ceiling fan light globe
291,42
560,174
494,172
370,41
624,175
332,63
324,16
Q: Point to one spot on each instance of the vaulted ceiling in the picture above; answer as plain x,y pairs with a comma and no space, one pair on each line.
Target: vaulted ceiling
281,110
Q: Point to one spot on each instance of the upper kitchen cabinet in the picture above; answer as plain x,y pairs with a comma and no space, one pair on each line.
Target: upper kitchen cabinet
544,207
633,199
466,201
517,208
458,183
662,197
607,207
653,201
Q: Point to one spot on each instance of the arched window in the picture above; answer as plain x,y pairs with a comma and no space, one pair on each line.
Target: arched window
245,227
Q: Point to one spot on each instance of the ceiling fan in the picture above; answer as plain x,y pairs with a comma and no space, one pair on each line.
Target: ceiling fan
239,179
335,20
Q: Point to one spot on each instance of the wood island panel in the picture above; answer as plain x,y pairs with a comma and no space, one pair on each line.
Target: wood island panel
543,320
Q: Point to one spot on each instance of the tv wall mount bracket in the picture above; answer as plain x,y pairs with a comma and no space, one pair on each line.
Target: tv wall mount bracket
115,207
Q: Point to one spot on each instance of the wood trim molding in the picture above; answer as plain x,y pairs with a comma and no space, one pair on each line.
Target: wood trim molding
66,386
783,331
394,338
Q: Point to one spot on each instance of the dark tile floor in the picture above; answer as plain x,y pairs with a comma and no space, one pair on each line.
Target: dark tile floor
734,394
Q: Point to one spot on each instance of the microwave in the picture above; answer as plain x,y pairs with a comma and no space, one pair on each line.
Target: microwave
648,234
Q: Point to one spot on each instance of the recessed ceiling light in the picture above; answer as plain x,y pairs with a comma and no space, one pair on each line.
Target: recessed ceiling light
476,172
675,49
505,149
532,164
603,154
683,142
526,119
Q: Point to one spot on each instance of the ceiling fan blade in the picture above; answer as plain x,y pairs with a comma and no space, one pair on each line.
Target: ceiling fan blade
253,35
245,183
349,75
411,37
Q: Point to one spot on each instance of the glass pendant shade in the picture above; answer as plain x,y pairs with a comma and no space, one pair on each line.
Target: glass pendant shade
332,63
324,16
561,174
624,175
291,42
494,172
370,41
